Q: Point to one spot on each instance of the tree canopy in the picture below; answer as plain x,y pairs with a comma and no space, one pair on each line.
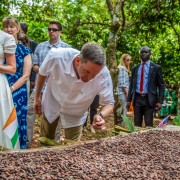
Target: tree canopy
131,24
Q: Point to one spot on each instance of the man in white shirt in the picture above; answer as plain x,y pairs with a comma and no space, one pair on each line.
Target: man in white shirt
74,79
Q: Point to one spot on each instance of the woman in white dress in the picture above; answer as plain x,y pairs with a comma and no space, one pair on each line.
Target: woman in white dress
7,51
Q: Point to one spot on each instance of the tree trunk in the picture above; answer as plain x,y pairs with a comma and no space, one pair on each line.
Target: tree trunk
111,56
116,26
178,110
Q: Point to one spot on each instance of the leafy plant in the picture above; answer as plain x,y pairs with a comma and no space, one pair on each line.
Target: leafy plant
129,124
176,120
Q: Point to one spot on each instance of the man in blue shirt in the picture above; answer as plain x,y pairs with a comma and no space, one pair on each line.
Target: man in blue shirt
146,89
41,51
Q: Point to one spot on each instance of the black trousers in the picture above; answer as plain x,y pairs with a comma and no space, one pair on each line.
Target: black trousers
93,109
142,109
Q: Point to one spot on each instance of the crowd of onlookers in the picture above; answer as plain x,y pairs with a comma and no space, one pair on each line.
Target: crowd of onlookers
61,83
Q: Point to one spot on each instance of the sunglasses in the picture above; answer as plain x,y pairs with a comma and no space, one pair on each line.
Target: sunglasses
144,52
53,29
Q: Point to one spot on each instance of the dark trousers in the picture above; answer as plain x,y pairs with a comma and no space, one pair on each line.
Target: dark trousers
142,109
93,109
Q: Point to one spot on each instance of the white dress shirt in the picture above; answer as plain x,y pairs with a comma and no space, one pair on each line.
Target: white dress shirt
66,96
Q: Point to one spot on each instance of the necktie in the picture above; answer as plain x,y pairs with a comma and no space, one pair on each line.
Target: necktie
142,77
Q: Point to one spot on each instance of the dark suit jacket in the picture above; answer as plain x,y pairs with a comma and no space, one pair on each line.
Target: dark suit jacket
155,84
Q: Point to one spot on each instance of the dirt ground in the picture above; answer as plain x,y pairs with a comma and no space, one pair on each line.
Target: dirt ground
87,135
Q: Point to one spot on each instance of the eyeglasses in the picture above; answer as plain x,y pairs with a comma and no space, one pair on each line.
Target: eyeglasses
53,29
144,52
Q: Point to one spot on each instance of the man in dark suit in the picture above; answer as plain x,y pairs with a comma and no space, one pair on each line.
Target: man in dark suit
146,89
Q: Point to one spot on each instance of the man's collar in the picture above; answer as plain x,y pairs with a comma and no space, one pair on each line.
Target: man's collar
56,44
69,69
146,62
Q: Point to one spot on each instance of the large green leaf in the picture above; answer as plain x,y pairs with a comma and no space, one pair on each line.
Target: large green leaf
129,123
176,120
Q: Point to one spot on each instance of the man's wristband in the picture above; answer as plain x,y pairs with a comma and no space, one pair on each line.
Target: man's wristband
101,115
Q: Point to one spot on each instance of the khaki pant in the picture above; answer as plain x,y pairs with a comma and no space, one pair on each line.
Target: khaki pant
31,116
48,130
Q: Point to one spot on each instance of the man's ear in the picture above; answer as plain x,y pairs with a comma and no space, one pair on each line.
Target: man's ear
77,60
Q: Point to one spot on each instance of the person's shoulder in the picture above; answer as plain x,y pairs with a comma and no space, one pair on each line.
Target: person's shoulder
63,44
23,48
20,45
122,68
104,73
155,65
3,34
64,53
61,49
6,37
136,66
67,52
33,42
42,44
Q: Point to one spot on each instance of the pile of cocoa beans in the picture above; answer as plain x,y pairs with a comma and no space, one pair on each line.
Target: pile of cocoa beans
148,155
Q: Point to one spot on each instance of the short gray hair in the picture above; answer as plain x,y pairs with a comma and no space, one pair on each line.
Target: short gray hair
94,53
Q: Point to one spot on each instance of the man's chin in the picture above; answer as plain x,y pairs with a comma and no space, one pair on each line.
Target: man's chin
85,80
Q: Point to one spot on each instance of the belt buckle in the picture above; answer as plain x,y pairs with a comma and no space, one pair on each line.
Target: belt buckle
142,94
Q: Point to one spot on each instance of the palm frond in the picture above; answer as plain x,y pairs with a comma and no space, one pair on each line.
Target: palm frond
129,124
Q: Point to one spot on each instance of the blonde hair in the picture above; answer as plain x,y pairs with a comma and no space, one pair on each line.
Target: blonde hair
10,20
122,62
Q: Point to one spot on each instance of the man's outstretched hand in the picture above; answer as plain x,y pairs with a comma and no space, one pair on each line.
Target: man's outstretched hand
98,122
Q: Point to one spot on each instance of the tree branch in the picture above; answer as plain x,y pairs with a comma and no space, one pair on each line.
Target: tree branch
98,23
123,18
110,7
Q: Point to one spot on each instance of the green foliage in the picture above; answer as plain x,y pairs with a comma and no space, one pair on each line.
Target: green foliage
146,22
129,124
176,120
155,24
38,31
5,7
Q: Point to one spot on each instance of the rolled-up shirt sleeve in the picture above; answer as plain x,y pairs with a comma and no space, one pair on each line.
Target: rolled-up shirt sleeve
9,45
47,65
106,91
